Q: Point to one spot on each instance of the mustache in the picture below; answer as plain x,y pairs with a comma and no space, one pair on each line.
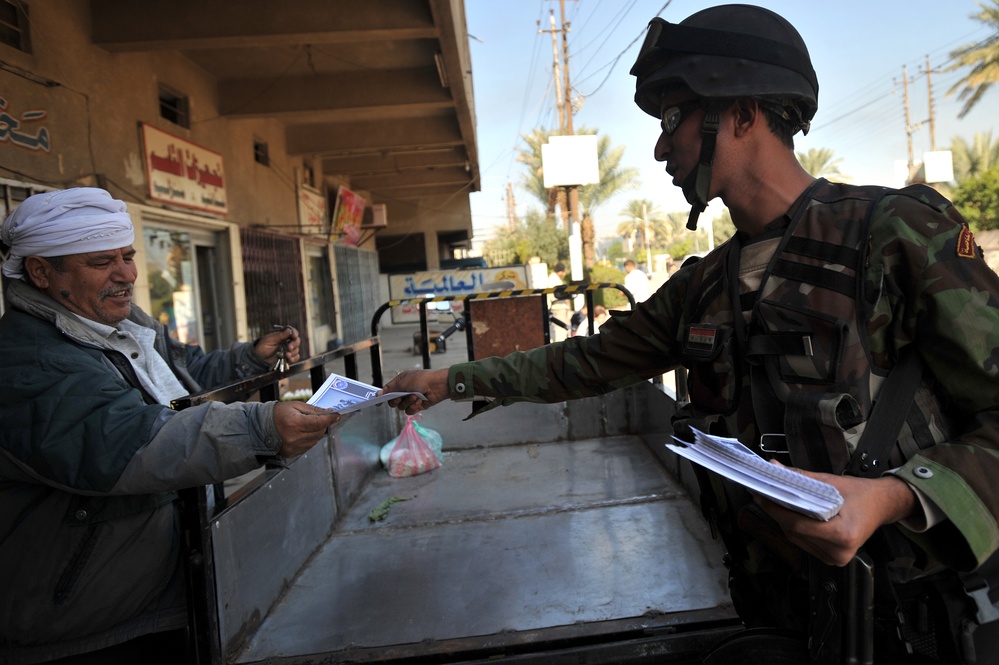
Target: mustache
104,293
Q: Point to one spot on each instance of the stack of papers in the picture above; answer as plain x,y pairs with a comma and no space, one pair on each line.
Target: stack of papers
345,395
731,459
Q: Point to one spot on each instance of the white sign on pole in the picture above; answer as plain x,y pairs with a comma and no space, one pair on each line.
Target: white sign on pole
938,166
570,160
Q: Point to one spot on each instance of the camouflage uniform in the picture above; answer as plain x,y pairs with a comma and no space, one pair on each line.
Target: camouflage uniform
921,283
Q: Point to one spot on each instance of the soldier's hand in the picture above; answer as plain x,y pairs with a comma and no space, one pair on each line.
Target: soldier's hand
301,425
868,503
431,382
267,346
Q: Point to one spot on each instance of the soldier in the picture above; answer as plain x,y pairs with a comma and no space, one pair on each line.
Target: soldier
826,301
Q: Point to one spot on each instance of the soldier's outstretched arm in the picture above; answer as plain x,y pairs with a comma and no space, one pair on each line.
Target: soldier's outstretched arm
432,383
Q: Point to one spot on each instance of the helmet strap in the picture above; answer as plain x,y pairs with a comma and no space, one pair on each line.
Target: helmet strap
702,176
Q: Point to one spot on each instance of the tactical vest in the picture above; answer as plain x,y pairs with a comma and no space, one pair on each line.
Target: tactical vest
786,360
800,368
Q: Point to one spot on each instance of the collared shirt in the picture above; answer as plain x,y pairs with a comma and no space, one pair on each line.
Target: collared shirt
137,343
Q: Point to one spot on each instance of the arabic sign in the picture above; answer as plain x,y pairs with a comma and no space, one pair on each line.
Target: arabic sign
311,210
450,283
182,173
20,132
347,215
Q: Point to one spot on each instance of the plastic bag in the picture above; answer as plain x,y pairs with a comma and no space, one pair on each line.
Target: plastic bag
416,450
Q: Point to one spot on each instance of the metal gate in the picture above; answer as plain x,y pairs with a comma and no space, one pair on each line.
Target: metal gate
275,291
357,295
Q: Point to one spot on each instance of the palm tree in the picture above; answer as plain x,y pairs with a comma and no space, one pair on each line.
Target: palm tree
613,178
820,163
974,159
633,225
982,57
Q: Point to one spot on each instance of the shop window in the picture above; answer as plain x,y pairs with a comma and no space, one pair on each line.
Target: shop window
174,107
172,291
14,25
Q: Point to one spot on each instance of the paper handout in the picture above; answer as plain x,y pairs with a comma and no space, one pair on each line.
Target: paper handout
731,459
345,395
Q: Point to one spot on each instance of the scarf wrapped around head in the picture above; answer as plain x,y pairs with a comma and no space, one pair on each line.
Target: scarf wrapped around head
71,221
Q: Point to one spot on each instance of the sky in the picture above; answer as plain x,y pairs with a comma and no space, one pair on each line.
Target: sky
858,49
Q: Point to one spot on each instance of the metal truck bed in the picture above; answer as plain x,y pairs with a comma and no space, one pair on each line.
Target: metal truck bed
552,533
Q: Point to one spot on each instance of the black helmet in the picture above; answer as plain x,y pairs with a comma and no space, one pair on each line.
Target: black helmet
723,53
726,52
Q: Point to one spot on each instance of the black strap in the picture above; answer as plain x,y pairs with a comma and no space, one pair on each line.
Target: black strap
870,459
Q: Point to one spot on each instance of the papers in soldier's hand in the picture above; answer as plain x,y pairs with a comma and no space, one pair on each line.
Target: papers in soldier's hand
731,459
345,395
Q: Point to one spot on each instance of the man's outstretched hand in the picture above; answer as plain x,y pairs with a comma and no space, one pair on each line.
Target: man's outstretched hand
301,425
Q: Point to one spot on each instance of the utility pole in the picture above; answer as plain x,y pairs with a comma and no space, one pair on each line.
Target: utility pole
910,127
929,89
561,197
908,122
581,231
558,73
579,237
511,207
565,60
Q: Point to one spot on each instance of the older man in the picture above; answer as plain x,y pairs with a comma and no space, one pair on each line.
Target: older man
90,455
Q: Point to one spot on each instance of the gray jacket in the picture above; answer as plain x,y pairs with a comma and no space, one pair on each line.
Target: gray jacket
89,533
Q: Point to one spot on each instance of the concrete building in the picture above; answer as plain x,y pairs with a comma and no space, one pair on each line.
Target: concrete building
275,156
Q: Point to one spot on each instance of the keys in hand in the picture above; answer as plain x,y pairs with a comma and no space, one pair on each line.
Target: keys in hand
281,364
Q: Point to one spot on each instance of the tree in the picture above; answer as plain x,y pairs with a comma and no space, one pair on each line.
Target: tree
977,199
974,159
613,178
982,57
820,163
537,234
633,225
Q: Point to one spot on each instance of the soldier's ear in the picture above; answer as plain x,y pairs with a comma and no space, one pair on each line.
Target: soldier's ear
746,113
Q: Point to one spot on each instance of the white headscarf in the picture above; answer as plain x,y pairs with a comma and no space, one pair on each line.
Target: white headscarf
71,221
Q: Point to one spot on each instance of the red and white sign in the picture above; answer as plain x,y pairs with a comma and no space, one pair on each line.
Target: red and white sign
183,173
347,215
311,210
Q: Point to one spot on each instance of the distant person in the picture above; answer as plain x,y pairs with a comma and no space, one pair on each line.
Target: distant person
636,281
600,316
560,308
578,319
91,455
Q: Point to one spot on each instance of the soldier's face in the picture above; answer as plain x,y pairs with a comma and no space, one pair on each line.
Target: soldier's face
679,143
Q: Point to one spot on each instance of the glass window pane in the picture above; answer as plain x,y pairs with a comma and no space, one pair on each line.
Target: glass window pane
171,282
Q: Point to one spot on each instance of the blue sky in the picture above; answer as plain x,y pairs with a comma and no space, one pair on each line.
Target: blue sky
858,49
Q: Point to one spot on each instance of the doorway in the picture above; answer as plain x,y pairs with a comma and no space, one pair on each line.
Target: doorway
187,284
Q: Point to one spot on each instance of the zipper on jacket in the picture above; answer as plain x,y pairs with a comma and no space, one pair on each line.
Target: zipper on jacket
67,581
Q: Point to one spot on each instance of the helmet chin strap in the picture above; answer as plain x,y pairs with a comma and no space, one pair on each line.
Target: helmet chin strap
695,185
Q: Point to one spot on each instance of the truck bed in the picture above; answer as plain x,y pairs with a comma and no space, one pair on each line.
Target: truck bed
523,551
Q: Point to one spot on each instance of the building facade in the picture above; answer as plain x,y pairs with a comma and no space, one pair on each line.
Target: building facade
274,156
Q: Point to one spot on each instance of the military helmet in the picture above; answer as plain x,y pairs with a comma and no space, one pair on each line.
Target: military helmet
727,52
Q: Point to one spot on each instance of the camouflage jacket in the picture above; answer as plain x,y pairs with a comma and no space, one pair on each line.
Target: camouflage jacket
926,286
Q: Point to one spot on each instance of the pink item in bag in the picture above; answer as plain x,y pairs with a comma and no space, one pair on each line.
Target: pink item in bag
411,455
